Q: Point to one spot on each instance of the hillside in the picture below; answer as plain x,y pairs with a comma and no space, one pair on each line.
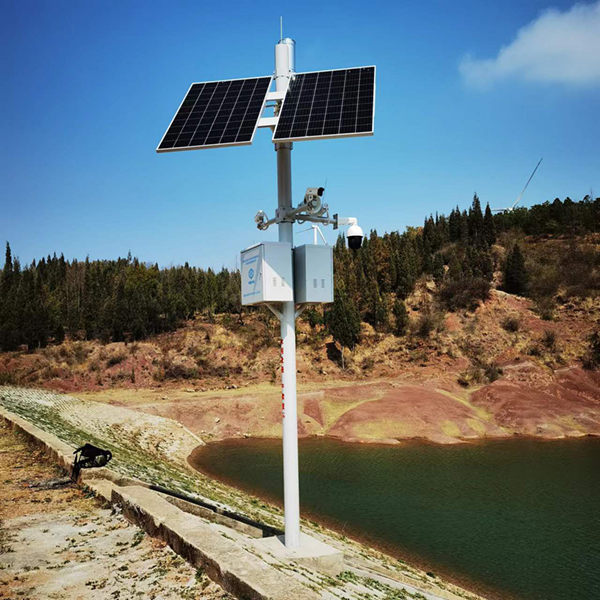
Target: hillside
474,325
498,370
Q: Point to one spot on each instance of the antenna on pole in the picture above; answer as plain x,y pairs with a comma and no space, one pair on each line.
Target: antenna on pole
280,28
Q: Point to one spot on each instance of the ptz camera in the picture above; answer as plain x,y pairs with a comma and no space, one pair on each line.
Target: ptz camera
355,236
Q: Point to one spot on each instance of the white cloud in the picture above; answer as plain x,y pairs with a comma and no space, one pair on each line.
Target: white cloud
557,47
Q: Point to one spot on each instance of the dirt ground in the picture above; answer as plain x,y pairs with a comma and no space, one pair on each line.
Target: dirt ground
474,376
527,400
59,543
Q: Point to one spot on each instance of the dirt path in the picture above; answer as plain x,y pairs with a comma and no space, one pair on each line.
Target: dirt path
56,542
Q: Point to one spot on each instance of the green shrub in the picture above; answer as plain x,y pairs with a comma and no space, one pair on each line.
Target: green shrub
402,318
511,324
549,340
425,325
368,363
313,316
180,371
115,359
464,293
476,374
80,352
492,372
8,378
545,307
591,359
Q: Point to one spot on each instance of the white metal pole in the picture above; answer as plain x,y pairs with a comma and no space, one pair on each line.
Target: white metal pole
284,68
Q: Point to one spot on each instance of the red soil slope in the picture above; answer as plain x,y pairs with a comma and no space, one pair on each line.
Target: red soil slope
413,412
527,401
566,405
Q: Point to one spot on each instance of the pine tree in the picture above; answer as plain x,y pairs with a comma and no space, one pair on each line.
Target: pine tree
489,229
427,262
8,305
8,266
516,277
120,317
464,228
405,279
475,221
455,270
41,325
454,225
344,322
90,302
438,269
402,318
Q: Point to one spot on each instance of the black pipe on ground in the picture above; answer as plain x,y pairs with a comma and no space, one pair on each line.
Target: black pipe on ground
267,530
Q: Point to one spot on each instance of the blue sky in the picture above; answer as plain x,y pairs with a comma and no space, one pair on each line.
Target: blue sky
89,88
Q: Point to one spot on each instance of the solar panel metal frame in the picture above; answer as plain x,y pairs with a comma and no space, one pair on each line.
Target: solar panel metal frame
334,135
226,145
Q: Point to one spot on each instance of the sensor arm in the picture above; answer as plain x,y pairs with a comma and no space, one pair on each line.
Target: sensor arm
262,222
315,219
344,221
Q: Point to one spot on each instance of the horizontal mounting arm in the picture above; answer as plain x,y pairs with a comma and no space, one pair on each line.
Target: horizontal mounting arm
276,95
268,122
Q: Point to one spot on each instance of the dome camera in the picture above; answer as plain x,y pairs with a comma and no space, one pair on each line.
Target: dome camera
355,237
355,234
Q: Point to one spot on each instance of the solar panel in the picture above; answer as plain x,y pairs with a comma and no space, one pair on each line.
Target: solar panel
326,104
217,114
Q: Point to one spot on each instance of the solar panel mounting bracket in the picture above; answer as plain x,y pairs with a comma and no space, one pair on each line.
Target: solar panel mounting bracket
268,122
277,95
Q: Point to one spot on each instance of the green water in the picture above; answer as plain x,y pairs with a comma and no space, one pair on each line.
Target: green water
514,518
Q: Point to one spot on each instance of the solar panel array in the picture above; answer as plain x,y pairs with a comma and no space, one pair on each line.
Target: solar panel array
328,104
217,114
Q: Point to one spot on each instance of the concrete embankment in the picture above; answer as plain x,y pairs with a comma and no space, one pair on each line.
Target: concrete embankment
229,551
204,545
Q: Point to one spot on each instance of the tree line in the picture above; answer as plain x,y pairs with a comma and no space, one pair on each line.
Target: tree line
124,299
105,299
455,251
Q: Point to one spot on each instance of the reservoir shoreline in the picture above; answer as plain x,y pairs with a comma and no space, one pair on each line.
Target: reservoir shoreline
439,527
394,551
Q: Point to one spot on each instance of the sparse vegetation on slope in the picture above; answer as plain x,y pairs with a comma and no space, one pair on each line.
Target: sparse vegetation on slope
126,299
425,307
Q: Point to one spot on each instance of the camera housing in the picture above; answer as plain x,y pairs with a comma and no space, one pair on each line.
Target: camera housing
355,237
312,199
355,234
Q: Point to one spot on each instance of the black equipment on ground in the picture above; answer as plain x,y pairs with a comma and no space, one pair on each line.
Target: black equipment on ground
89,456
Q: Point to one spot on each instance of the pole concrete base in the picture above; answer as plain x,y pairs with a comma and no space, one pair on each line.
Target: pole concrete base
311,553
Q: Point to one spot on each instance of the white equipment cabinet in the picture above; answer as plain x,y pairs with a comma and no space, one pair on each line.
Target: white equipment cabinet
267,273
313,274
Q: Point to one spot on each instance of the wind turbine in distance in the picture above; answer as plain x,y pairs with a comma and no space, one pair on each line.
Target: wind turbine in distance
511,208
